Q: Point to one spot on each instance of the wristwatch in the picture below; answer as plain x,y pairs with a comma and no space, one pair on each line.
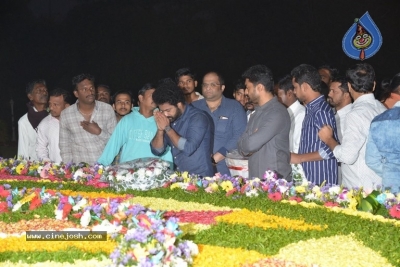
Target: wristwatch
167,128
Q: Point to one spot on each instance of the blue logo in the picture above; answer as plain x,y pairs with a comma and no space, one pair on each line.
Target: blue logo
363,39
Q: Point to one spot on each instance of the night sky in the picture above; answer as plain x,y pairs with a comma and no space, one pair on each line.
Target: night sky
127,43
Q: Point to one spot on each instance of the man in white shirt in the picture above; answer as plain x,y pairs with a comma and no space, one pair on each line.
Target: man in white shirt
296,111
47,148
351,152
27,124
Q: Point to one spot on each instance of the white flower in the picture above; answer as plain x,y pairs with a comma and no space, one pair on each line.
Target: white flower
334,190
17,206
149,173
157,171
283,189
59,214
80,204
304,182
178,262
310,197
141,172
194,249
119,177
252,193
389,195
79,173
85,219
108,227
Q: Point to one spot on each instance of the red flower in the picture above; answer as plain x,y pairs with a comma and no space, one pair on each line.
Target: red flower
331,204
66,210
230,192
395,211
4,193
77,215
243,189
297,199
3,207
35,203
277,196
192,188
24,171
167,184
265,187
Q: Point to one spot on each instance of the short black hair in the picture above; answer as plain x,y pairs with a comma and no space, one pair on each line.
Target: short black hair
260,74
168,92
31,85
61,92
343,83
286,84
221,79
239,85
333,72
108,89
121,92
77,79
361,78
184,72
145,88
305,73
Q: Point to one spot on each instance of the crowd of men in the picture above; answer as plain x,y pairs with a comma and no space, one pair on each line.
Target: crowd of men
330,125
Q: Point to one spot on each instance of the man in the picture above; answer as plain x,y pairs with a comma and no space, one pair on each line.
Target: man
340,99
351,152
134,132
187,130
187,82
382,153
327,74
122,103
104,93
85,126
315,157
296,111
266,139
228,115
239,94
27,124
47,148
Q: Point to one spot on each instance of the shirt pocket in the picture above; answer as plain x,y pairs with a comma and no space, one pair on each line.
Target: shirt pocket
221,126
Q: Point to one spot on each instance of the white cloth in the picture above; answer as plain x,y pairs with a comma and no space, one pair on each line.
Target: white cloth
199,95
47,140
340,117
296,112
26,139
351,152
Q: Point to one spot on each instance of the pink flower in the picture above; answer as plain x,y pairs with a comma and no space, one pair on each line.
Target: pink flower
230,192
331,204
395,211
277,196
3,207
297,199
192,188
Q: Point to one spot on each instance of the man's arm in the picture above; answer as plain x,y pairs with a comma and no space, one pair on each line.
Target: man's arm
158,143
114,144
42,141
65,140
251,142
373,157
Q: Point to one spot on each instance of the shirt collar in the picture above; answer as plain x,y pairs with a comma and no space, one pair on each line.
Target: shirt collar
96,105
315,102
274,99
294,107
345,109
397,104
365,98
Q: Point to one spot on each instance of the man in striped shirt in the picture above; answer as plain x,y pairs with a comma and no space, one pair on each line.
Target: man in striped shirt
315,156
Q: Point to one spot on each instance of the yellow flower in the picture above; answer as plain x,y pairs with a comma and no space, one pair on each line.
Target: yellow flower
100,171
350,194
214,187
33,167
227,186
19,168
300,189
174,186
353,204
27,198
185,176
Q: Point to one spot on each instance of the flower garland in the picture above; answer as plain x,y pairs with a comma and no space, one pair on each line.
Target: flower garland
300,190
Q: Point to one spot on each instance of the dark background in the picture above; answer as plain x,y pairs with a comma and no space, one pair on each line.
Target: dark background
127,43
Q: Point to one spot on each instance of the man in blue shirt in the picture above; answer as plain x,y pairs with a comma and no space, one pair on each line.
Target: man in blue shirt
134,132
317,159
228,115
187,130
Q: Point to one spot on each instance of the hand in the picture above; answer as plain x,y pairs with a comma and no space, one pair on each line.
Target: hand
325,133
161,120
295,158
91,127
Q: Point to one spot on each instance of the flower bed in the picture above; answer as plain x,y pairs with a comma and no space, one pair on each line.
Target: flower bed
234,222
